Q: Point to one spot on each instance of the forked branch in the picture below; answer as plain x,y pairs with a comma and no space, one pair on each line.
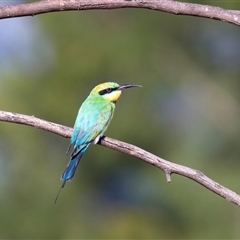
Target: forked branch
169,6
167,167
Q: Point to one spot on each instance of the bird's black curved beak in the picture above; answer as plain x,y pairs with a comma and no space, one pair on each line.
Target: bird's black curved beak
123,86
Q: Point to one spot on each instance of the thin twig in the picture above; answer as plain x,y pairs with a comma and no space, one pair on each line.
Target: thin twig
169,6
167,167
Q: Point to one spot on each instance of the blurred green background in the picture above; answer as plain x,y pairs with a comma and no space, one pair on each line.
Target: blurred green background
187,112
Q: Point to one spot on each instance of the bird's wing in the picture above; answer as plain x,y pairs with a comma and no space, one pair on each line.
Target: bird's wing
92,121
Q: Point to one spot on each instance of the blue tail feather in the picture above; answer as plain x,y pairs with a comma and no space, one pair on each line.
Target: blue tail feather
70,170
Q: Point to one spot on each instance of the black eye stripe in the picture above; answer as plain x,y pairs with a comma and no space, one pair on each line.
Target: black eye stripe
107,90
102,92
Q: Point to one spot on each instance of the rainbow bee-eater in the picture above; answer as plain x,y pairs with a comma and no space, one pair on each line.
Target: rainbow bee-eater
93,119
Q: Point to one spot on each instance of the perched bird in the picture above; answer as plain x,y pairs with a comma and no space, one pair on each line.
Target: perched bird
92,121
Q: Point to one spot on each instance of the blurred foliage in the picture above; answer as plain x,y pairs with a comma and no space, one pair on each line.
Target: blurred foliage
186,112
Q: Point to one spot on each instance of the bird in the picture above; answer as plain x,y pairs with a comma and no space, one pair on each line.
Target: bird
93,119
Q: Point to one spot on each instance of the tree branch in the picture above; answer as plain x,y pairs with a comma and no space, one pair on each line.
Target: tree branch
169,6
167,167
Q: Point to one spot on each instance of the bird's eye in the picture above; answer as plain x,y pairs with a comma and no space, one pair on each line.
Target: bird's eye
106,90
